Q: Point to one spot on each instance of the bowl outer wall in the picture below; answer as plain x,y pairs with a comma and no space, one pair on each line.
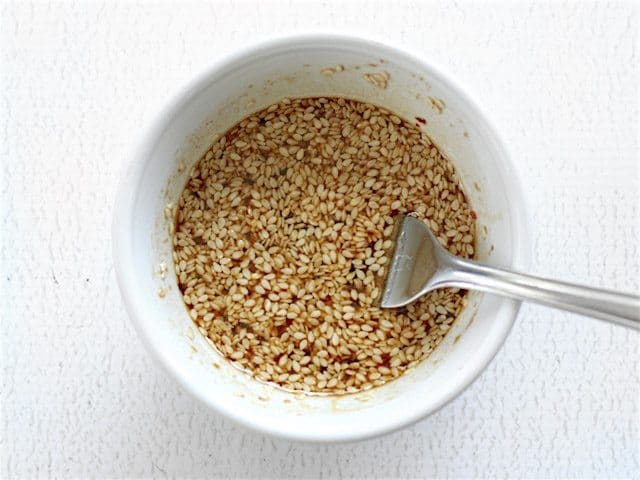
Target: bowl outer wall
123,248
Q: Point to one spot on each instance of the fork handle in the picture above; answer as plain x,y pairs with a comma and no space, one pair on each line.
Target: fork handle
614,307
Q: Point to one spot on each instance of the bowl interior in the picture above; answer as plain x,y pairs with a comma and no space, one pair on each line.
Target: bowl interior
223,96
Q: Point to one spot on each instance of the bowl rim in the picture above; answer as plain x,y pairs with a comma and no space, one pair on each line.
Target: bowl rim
133,172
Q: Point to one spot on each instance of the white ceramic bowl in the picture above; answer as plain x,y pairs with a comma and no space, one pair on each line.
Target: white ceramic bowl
243,83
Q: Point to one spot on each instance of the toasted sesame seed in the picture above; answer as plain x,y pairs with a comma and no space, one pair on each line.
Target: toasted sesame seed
282,236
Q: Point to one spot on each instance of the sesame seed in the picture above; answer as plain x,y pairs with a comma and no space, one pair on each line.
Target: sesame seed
282,236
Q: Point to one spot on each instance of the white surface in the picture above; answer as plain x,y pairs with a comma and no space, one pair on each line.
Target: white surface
80,397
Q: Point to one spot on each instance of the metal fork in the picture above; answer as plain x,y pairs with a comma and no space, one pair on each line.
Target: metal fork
420,264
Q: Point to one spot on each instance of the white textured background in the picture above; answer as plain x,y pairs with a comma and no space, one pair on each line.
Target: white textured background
81,398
